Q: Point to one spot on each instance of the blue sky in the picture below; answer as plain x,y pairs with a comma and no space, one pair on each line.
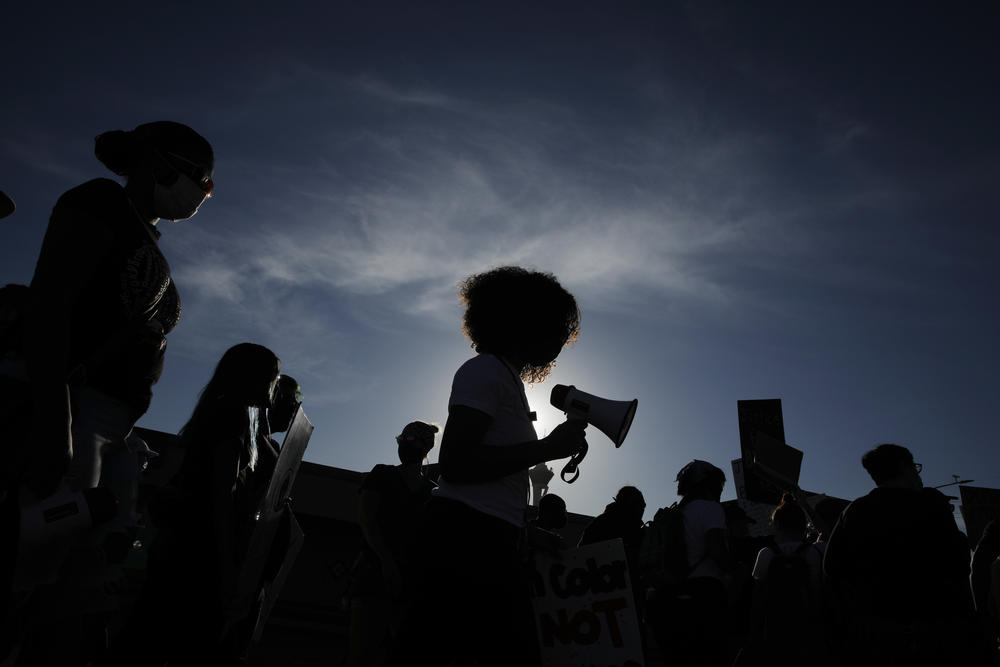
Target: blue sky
767,202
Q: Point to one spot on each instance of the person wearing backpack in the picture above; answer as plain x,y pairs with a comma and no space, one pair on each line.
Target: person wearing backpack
689,599
786,617
899,567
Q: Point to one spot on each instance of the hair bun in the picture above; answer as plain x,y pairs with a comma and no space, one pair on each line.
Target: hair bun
117,150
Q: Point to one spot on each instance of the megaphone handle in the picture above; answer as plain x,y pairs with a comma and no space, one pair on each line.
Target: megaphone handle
572,466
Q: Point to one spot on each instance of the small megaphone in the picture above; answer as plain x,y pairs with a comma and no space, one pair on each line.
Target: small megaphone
52,526
612,418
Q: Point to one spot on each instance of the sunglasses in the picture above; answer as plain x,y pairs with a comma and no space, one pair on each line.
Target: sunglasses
192,170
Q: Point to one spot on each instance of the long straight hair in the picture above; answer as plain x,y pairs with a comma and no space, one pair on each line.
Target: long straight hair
230,403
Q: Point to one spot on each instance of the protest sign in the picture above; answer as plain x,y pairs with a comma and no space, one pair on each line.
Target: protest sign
584,610
760,420
272,508
979,506
272,589
777,462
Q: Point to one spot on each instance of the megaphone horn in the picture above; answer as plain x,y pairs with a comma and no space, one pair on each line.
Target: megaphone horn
612,418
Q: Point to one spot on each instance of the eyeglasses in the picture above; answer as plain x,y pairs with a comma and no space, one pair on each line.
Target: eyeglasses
918,467
193,170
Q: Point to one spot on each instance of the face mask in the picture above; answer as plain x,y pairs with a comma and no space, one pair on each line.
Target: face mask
179,201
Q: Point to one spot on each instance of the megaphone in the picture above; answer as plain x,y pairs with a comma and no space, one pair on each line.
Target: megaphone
612,418
51,527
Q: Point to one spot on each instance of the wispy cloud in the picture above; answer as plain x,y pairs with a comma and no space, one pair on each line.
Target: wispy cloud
406,96
401,213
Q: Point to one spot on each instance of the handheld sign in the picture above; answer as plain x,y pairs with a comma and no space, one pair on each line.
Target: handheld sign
759,418
272,508
584,609
979,506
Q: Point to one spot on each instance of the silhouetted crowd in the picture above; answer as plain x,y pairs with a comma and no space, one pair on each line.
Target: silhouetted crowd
885,581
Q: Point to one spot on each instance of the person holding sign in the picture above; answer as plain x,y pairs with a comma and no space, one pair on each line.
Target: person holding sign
188,602
473,596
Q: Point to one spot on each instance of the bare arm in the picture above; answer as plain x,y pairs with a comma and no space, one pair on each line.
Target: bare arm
465,459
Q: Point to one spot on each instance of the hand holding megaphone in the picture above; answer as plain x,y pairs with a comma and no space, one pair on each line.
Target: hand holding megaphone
566,439
613,418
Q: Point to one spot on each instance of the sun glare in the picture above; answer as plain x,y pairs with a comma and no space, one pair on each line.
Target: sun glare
548,417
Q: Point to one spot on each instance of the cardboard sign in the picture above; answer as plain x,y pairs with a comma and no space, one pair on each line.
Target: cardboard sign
273,588
979,506
584,610
759,418
777,462
271,509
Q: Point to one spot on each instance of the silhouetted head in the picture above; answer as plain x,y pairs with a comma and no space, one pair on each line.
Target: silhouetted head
229,405
551,512
246,374
415,442
631,501
788,518
287,397
524,316
700,480
892,466
168,165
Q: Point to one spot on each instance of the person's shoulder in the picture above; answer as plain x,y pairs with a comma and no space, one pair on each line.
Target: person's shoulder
874,498
93,206
382,470
935,502
933,496
96,193
482,364
767,553
481,383
378,477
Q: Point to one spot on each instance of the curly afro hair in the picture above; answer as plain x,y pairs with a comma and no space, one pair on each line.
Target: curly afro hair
522,315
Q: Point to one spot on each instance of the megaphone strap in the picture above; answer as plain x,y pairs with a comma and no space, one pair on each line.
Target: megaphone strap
572,466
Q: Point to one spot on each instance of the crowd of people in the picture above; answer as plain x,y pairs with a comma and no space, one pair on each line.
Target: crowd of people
885,582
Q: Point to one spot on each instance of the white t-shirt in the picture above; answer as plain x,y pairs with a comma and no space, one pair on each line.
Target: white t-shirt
701,516
813,556
487,384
